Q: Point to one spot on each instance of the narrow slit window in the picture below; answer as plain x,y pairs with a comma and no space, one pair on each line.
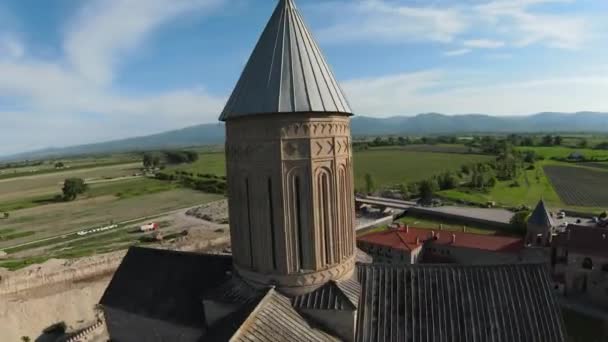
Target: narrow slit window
272,228
249,223
299,222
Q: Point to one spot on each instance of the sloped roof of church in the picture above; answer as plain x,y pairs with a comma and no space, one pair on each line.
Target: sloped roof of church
331,296
540,216
165,285
286,72
270,319
496,303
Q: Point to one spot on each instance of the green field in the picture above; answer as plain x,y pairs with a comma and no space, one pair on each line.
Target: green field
207,163
390,167
533,185
53,219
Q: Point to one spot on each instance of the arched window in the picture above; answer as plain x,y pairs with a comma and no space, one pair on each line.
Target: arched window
587,263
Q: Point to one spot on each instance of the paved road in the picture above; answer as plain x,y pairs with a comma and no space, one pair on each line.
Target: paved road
502,216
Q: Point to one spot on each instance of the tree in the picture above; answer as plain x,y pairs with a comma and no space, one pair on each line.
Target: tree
447,181
527,141
547,140
583,143
369,183
6,215
25,338
427,190
73,187
59,165
557,140
519,221
147,160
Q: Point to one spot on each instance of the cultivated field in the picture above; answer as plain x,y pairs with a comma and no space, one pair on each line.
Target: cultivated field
578,186
394,166
12,189
50,220
440,148
388,166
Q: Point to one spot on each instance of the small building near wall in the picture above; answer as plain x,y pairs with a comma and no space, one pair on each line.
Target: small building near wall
415,245
540,226
579,256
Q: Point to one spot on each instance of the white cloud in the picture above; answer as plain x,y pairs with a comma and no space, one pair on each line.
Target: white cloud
526,26
439,91
372,20
515,23
458,52
64,95
103,31
483,43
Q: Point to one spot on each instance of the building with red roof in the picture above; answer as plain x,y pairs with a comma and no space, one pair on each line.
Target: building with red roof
413,245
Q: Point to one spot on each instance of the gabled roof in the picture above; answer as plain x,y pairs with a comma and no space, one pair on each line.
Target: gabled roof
541,216
286,72
165,285
492,303
271,319
331,296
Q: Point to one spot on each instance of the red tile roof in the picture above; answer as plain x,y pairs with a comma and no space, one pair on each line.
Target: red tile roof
402,239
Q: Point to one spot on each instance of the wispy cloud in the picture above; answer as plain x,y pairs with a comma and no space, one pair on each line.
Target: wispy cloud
526,26
390,22
10,46
458,52
483,43
441,91
81,86
514,23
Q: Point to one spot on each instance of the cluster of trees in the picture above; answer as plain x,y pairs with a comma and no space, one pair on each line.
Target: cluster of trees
203,182
156,159
25,163
402,141
72,187
494,144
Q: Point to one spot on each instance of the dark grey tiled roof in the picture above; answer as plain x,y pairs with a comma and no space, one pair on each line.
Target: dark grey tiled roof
274,319
234,290
541,216
286,72
165,285
328,297
458,303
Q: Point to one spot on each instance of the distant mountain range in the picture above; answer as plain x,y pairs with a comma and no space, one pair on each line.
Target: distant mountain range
430,123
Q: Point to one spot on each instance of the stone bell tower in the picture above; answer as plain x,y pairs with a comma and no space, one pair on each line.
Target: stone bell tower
289,163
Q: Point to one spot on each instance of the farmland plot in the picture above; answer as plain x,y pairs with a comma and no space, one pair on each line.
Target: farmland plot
579,186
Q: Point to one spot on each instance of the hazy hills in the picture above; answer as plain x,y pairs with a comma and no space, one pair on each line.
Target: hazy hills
431,123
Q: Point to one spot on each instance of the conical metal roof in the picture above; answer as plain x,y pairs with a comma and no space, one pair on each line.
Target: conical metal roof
541,216
286,72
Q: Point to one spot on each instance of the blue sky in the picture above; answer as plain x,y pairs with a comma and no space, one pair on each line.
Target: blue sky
75,72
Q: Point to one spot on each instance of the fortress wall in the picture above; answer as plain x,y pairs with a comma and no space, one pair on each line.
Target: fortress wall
59,271
55,271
